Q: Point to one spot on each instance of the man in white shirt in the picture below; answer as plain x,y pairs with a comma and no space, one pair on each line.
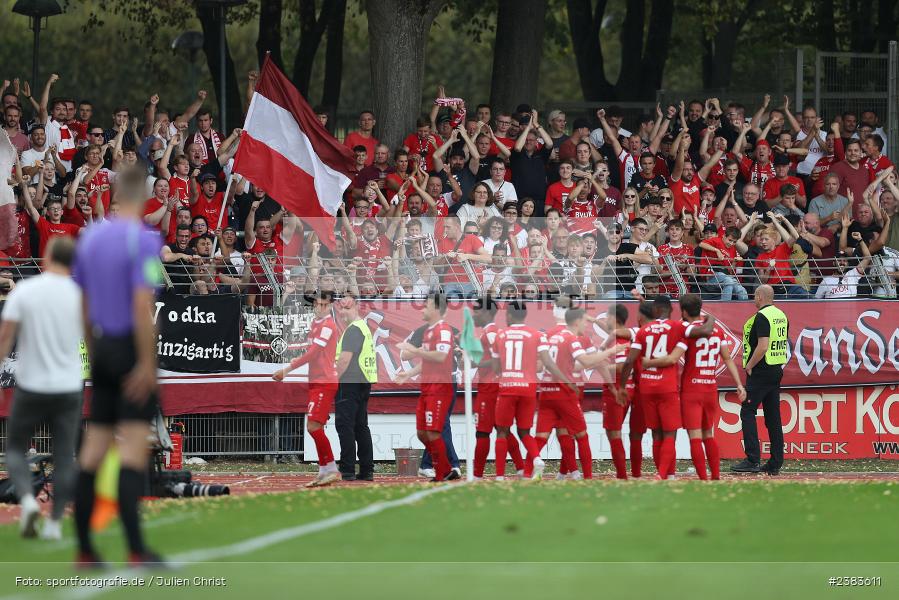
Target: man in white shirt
846,285
816,147
503,191
650,254
44,315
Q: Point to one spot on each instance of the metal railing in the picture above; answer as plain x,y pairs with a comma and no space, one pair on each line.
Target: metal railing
292,280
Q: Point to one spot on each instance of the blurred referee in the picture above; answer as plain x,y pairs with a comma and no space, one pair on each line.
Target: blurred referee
118,269
765,338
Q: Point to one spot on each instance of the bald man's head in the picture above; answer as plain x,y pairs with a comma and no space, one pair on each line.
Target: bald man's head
764,294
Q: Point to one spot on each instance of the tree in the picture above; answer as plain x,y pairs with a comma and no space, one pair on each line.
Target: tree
517,52
210,19
720,41
269,40
585,23
334,57
312,29
398,33
642,64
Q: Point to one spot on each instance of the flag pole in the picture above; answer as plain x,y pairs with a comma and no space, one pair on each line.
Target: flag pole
218,225
469,422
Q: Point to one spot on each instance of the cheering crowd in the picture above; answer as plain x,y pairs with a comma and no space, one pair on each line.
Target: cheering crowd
695,198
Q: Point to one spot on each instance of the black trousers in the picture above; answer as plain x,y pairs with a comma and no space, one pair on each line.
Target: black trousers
351,421
764,389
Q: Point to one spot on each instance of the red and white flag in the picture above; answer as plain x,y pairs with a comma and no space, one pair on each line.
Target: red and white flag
285,150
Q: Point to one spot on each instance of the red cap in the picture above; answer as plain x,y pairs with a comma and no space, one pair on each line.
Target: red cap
762,143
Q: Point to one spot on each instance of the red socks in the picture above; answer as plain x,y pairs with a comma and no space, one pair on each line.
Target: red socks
530,445
618,458
656,448
698,456
583,450
568,464
541,443
636,457
481,450
441,461
501,448
714,457
322,447
666,457
515,453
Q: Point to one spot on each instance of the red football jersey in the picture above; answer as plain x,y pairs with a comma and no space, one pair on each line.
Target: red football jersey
656,339
621,357
517,348
543,375
701,360
180,189
564,348
323,334
210,209
439,337
488,337
683,255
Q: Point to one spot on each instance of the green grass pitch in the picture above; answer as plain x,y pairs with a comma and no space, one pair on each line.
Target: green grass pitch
550,540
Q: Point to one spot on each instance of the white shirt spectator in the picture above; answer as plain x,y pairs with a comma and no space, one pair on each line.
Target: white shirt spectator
646,248
815,151
47,309
844,287
505,188
32,156
469,212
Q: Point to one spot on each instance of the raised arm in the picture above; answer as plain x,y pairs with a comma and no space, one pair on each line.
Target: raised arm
794,124
608,133
43,112
757,117
786,230
191,111
503,151
663,129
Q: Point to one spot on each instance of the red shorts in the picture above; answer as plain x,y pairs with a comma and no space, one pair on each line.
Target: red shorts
613,414
662,411
321,402
485,407
700,411
512,405
433,408
560,410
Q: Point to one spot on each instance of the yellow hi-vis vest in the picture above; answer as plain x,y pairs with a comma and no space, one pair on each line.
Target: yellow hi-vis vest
776,353
368,363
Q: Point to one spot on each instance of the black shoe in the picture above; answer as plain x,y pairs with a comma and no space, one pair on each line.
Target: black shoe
454,474
365,477
348,476
746,466
89,561
769,469
146,559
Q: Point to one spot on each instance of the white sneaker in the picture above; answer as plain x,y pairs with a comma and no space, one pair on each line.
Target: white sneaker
539,465
31,510
574,476
500,478
51,530
520,472
427,473
561,476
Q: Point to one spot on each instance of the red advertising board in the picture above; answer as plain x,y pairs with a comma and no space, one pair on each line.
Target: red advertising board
823,423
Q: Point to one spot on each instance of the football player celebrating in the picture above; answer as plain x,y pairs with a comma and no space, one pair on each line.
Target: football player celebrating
322,384
699,388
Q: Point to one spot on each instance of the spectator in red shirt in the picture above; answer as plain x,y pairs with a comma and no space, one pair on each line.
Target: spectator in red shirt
717,263
873,149
773,265
456,248
832,152
557,194
682,254
363,136
422,143
52,225
208,201
782,177
854,172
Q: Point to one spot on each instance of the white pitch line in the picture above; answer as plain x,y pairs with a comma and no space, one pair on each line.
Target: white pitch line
260,542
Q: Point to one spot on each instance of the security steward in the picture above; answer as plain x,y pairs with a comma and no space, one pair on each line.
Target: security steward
357,370
765,337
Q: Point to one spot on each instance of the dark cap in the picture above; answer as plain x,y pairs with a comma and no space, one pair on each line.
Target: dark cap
457,152
710,228
781,159
204,177
581,123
